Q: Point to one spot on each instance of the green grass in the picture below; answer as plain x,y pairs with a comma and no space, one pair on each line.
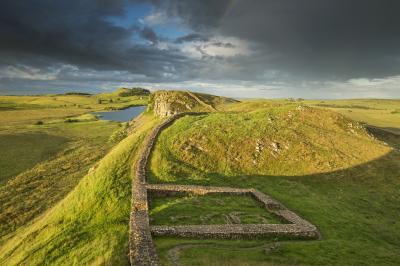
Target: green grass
22,110
333,174
90,225
326,168
380,113
290,142
14,157
48,179
208,209
43,162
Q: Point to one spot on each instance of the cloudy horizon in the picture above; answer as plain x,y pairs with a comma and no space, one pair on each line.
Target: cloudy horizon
260,48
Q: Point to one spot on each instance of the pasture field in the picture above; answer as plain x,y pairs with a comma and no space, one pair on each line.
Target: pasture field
375,112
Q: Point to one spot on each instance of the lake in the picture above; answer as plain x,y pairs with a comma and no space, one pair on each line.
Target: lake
122,115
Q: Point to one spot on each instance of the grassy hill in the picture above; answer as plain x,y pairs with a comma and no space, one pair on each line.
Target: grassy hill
319,163
277,140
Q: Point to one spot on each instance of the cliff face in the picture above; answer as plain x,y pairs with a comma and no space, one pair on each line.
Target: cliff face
168,103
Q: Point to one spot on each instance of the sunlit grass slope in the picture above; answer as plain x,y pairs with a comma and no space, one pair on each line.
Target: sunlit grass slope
375,112
90,225
50,169
318,163
271,140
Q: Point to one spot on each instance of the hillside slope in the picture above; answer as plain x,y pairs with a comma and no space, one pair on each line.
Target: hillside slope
90,225
288,140
318,163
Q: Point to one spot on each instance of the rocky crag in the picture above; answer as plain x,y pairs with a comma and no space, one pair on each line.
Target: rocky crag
168,103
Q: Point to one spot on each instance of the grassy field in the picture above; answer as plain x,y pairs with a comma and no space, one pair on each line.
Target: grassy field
23,110
320,164
333,173
43,162
380,113
14,157
208,209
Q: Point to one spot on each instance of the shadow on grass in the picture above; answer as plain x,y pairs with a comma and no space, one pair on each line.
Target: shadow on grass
356,210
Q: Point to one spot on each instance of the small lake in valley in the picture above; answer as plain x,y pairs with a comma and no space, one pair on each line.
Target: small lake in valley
122,115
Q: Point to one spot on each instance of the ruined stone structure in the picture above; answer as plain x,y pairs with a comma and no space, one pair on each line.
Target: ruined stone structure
142,250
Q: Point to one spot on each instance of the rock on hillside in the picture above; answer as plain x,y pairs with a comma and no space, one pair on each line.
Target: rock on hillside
167,103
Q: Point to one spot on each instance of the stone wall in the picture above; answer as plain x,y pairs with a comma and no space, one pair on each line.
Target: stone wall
141,247
142,250
237,231
296,226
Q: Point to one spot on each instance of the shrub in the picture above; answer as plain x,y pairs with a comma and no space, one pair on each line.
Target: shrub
397,111
119,134
70,120
39,122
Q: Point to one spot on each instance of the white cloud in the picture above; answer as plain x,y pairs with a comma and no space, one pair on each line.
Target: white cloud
27,72
155,18
160,18
223,47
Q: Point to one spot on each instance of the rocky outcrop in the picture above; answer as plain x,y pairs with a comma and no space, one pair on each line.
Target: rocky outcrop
169,103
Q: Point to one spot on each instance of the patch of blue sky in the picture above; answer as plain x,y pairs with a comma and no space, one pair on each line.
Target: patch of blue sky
170,31
134,16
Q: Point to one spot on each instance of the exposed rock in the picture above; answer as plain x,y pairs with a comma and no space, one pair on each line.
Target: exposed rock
234,217
275,146
259,146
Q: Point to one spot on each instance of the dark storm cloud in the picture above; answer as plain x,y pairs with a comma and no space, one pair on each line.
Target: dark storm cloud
197,14
192,38
41,33
313,38
68,30
148,34
283,40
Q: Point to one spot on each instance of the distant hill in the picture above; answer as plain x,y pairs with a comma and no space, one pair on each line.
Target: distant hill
125,92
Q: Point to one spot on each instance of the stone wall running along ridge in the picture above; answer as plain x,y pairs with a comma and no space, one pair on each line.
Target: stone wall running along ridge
141,247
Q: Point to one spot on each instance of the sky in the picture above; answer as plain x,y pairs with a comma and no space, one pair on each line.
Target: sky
318,49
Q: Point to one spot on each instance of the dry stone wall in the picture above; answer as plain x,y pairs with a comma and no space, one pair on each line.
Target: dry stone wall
142,250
